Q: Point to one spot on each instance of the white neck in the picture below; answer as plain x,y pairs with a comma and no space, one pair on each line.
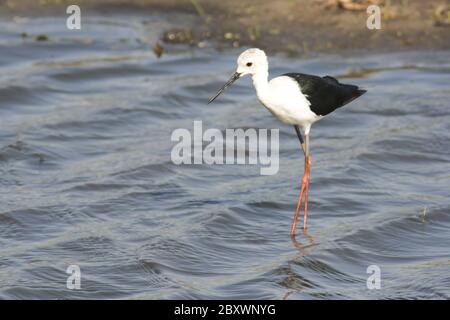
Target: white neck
260,81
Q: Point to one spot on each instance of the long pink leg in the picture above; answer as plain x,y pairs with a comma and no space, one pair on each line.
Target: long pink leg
303,194
305,214
297,210
304,190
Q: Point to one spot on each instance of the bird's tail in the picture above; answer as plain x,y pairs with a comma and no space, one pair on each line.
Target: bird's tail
360,92
356,93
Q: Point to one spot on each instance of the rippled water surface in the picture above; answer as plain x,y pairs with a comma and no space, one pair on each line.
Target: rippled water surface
86,176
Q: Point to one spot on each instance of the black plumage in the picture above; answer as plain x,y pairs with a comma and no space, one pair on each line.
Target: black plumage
325,94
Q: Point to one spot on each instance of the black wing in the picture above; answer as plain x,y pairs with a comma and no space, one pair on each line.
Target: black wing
325,94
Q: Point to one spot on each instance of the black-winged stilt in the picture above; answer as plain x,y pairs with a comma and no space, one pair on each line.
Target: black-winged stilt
294,98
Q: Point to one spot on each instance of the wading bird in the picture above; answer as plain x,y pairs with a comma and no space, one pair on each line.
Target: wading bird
297,99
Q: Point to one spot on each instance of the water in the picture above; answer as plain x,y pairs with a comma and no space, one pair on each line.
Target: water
86,176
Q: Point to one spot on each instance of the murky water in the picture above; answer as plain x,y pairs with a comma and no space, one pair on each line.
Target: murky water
86,177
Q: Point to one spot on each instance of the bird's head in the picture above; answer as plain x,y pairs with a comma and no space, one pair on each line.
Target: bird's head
251,61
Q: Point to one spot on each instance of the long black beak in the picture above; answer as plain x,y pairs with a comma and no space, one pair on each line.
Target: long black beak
233,78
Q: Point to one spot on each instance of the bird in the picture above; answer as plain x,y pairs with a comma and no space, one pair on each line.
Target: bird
297,99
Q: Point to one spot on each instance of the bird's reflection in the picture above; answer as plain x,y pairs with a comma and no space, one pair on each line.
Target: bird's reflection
304,247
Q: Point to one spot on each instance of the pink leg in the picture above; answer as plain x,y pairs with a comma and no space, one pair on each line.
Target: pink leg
305,214
297,210
303,194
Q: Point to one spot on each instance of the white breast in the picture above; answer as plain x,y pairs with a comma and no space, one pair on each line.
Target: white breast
284,99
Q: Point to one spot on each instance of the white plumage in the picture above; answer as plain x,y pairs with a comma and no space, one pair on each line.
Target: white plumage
286,102
282,95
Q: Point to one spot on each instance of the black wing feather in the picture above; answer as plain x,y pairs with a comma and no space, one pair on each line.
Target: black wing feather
325,94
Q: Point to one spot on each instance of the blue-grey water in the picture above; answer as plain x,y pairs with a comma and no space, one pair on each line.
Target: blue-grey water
86,176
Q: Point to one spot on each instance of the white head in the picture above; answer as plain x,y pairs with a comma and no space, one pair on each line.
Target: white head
252,61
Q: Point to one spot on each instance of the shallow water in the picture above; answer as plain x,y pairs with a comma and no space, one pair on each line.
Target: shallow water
86,176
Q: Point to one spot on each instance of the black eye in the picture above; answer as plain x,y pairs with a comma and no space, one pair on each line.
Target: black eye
249,64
